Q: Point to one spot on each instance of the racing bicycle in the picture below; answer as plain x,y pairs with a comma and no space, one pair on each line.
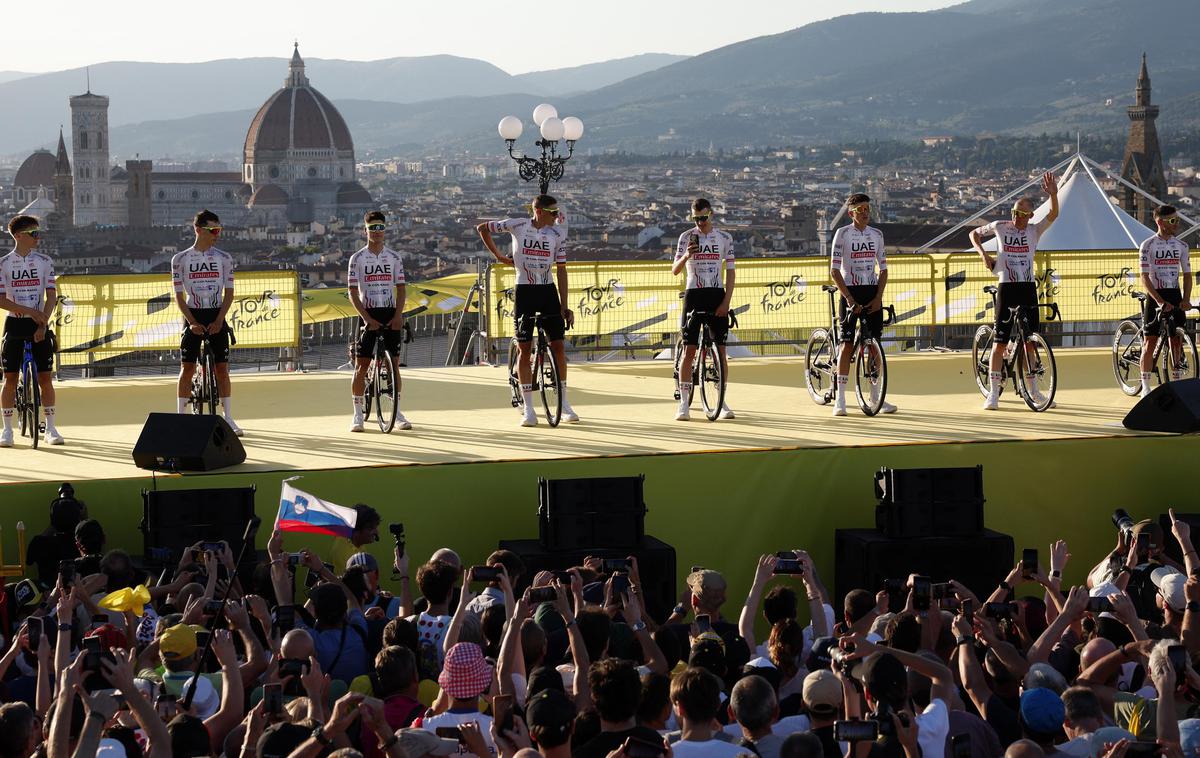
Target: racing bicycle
383,384
545,370
870,363
707,372
1036,359
205,395
1127,346
29,396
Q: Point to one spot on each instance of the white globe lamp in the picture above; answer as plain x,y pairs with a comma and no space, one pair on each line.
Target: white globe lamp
572,128
510,128
552,129
543,112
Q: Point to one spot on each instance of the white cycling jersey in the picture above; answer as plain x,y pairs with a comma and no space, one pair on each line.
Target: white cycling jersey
203,277
858,255
534,251
716,253
24,279
376,276
1164,260
1015,249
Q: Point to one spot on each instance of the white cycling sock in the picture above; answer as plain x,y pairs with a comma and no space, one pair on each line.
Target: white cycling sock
562,390
181,404
1146,378
358,403
527,395
48,412
227,406
685,389
8,415
842,381
994,379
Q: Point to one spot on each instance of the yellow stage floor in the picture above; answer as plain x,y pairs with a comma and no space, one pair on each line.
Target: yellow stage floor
301,422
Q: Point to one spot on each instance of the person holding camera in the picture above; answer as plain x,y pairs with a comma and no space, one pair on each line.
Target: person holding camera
366,532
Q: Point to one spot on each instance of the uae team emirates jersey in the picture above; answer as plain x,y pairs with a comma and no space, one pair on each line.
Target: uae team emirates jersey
203,276
715,253
1015,249
376,276
534,251
24,279
1163,260
858,255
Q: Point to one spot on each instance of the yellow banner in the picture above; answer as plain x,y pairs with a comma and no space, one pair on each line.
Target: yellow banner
444,295
110,315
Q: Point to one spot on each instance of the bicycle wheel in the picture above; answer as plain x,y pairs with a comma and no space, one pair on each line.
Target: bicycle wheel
198,384
1041,368
547,372
981,358
1185,365
712,379
214,395
22,404
678,356
870,375
820,362
383,386
33,407
514,383
1127,357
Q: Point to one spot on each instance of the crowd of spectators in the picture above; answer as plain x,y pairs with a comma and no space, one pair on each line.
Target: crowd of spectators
299,657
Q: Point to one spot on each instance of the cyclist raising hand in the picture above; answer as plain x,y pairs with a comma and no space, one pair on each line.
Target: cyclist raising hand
28,293
537,249
1016,244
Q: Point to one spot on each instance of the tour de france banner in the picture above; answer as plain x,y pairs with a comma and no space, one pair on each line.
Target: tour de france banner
443,295
111,315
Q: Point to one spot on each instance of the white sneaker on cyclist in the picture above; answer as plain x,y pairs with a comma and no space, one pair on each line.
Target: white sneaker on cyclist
568,414
726,412
1039,399
356,423
529,418
54,437
401,422
839,406
991,403
683,413
233,425
6,438
886,407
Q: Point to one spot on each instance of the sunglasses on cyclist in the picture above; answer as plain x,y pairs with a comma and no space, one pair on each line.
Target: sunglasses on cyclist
1170,220
860,207
552,211
212,229
32,233
702,219
376,227
1020,213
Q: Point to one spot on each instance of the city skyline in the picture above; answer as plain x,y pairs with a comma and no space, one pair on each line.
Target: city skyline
134,30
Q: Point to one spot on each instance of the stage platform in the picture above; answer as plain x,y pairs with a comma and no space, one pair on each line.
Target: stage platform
462,415
784,474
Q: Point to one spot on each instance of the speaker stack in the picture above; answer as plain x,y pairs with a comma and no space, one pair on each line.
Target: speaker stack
177,519
929,521
602,517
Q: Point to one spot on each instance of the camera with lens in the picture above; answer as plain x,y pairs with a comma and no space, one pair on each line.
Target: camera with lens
842,659
1123,522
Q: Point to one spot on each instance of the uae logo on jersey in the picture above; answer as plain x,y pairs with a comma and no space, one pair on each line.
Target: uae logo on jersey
377,272
1016,243
204,270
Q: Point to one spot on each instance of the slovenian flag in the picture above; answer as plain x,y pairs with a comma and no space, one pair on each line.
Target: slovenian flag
302,512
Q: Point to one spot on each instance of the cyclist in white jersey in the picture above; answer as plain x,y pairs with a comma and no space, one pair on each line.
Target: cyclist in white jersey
856,253
1162,259
202,277
540,259
378,292
705,253
1016,245
29,294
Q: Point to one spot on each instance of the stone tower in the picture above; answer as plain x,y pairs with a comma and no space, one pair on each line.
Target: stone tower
64,185
89,148
137,193
1143,165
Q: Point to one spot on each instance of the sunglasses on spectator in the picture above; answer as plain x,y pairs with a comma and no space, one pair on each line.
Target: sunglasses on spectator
212,229
376,227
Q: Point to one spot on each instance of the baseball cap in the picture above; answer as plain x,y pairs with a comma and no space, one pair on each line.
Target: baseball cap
822,693
110,636
1155,531
110,748
365,561
542,678
1170,584
1042,710
178,641
418,742
821,654
279,740
550,710
465,674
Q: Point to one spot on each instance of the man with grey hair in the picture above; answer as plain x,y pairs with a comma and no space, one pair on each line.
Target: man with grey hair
753,704
1044,675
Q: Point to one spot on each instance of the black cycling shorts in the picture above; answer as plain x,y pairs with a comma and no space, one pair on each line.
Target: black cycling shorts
706,299
189,343
1016,293
367,337
1176,318
862,294
12,350
538,298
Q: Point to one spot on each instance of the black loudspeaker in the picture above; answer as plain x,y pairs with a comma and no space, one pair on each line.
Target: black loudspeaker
600,512
929,502
1170,407
177,519
187,442
656,564
864,558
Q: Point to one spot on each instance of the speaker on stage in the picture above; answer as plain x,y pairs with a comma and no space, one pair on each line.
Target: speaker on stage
187,442
865,557
1170,407
178,519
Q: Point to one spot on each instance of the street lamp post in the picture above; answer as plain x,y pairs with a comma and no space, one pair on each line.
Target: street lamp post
548,168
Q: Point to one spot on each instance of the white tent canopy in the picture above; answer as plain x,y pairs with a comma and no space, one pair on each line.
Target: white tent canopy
1087,219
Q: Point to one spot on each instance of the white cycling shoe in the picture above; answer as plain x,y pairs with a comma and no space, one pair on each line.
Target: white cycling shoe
356,423
233,425
401,422
6,438
54,437
991,403
683,413
529,418
569,415
726,412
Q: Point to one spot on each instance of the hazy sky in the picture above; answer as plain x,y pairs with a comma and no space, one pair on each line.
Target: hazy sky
517,35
